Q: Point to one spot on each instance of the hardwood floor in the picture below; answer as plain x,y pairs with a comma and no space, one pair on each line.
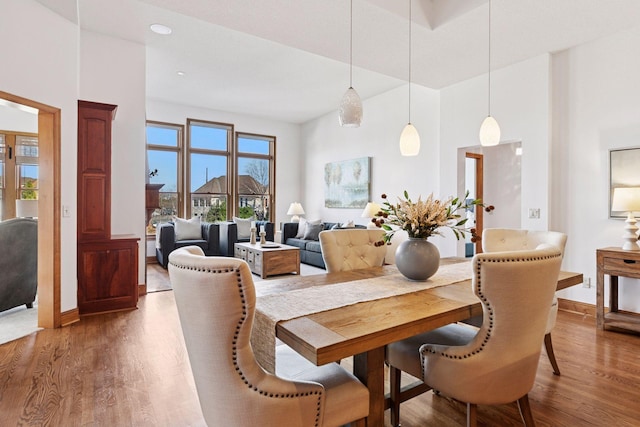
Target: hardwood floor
131,369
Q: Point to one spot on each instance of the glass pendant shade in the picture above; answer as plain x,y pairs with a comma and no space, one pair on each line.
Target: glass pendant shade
409,141
489,132
350,111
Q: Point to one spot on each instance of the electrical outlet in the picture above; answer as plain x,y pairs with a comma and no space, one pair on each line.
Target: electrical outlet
534,213
66,212
587,282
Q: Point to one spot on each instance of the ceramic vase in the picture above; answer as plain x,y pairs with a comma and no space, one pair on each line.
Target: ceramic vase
417,259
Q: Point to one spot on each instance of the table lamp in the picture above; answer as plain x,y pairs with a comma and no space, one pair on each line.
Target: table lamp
370,211
627,199
295,209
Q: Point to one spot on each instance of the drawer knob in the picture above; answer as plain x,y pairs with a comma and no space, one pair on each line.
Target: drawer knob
629,261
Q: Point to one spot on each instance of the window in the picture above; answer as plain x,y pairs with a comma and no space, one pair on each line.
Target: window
209,163
164,157
18,170
223,176
254,188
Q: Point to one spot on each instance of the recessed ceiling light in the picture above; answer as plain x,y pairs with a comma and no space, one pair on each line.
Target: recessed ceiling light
181,73
160,29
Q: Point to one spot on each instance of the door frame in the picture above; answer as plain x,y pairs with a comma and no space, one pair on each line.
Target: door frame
49,208
479,194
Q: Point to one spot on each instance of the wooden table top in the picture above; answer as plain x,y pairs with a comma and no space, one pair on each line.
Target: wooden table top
331,335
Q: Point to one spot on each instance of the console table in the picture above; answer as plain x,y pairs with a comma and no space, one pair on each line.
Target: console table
615,262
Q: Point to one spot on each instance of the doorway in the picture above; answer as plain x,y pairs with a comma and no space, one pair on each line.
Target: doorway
49,139
474,184
495,174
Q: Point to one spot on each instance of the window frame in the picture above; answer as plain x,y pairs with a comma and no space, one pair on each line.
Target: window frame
179,150
228,153
272,167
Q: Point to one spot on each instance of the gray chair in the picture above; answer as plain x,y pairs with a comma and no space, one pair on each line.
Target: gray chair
216,303
166,242
18,263
497,363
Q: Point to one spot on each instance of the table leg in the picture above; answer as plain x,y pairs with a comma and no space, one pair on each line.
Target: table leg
600,300
613,293
369,368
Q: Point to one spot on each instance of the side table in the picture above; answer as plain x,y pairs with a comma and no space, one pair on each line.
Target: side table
615,262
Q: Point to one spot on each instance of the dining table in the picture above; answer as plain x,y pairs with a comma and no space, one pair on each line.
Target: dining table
329,317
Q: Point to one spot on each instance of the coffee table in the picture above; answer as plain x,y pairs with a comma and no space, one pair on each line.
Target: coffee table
269,259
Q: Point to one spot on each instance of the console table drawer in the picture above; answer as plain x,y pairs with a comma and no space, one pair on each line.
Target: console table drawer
627,267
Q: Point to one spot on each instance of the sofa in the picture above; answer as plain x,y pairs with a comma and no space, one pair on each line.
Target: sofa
229,235
310,251
18,263
207,237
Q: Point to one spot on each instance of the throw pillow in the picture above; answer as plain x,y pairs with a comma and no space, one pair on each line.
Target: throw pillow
301,226
244,227
187,229
312,230
349,224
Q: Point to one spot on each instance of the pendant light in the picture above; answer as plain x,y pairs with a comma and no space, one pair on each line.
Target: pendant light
350,111
409,138
489,130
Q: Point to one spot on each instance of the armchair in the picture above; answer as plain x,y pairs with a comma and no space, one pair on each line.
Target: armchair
497,363
216,301
19,262
229,235
166,241
506,239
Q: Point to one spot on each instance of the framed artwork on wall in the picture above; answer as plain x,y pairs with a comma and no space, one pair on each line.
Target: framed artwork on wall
624,171
347,184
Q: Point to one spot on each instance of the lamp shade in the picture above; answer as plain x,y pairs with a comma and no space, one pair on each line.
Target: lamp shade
626,199
489,132
350,111
370,210
295,208
26,208
409,141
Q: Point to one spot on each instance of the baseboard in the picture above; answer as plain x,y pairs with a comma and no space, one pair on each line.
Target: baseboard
576,307
152,260
69,317
142,289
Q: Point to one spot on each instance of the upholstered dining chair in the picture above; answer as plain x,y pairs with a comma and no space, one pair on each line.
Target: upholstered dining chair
216,302
351,249
507,239
497,363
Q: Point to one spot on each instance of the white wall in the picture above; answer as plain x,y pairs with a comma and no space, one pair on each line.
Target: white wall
288,144
41,64
16,120
521,105
596,107
378,136
112,71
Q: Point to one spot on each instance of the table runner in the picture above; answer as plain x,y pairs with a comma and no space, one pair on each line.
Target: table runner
274,308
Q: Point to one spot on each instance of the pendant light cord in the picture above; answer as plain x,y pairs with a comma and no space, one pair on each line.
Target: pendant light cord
351,46
489,73
410,61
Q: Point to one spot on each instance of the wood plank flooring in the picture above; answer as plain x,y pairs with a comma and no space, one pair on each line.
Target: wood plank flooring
131,369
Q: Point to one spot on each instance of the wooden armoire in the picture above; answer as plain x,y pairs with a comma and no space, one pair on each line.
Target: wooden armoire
107,265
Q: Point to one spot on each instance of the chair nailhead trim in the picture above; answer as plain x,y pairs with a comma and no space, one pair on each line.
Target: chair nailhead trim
486,303
235,340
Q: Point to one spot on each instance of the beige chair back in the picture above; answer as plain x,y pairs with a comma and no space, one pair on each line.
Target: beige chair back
499,365
507,239
216,300
352,249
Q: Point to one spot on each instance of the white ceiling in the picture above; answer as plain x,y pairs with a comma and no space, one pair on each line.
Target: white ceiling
289,60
